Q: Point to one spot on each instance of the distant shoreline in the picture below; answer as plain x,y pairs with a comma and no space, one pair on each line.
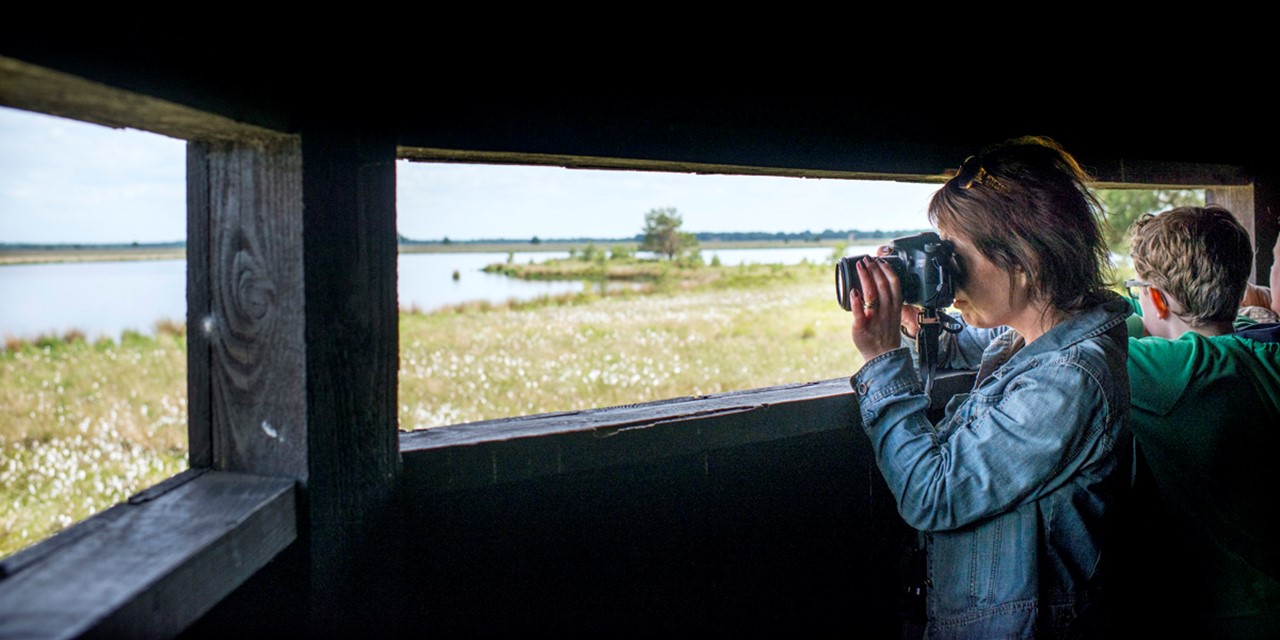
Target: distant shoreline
89,254
17,256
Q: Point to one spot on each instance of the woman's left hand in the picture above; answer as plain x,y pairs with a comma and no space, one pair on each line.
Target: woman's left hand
877,310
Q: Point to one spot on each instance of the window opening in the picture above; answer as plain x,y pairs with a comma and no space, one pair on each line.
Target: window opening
530,289
93,397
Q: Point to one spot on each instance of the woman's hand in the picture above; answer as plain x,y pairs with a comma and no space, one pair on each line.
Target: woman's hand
910,312
877,309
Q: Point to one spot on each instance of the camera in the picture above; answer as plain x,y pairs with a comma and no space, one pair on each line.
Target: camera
925,265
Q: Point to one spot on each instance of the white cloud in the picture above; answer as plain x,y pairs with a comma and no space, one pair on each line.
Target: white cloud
68,181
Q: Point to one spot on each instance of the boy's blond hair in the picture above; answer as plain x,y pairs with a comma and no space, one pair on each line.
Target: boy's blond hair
1200,256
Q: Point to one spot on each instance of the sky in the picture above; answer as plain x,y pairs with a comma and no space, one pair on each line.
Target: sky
64,181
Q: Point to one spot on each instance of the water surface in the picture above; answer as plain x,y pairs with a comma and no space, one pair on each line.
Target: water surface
108,298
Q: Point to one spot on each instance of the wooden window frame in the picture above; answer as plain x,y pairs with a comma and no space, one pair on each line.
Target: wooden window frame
158,562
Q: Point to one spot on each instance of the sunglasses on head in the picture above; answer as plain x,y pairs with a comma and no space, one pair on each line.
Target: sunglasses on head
972,172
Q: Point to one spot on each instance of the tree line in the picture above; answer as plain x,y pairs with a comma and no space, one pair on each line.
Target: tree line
701,236
662,232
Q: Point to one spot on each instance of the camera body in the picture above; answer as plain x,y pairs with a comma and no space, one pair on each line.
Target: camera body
924,263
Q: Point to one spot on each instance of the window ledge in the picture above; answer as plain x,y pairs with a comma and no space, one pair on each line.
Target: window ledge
492,452
151,566
444,459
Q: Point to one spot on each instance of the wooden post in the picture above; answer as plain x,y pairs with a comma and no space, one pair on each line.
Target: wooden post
1257,207
1266,223
246,350
293,339
353,347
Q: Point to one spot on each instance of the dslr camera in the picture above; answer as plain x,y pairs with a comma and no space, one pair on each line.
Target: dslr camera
925,265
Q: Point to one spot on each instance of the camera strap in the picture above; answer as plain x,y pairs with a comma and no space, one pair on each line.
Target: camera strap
927,348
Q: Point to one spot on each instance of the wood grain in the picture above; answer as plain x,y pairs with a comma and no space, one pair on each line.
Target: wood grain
247,357
152,566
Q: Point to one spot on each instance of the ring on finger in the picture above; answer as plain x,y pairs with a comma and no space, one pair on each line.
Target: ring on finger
870,304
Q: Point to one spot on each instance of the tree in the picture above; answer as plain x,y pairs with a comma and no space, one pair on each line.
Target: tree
1123,206
592,253
621,252
662,234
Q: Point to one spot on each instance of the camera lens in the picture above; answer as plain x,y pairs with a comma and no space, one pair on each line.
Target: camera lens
846,278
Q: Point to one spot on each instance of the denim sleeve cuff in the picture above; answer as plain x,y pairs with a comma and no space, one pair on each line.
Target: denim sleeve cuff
908,343
883,377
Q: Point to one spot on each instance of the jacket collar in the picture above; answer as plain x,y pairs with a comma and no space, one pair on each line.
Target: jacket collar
1108,313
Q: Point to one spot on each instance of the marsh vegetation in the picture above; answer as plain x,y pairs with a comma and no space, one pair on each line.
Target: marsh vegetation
84,424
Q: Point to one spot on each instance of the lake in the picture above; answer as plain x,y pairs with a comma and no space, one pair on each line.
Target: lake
107,298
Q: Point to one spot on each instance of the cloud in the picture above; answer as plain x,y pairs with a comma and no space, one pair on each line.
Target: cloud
68,181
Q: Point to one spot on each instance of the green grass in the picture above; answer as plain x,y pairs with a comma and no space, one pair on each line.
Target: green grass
85,425
468,366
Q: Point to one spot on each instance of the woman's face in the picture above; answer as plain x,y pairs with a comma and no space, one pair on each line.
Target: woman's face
989,296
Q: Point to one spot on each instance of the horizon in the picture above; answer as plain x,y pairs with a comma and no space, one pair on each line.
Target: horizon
818,236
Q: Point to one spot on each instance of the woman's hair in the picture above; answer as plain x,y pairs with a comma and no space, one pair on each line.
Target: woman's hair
1201,256
1026,204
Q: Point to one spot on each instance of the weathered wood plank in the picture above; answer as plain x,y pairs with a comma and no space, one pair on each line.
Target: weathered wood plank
1256,208
1108,173
199,386
493,452
618,418
1165,175
1266,222
295,317
155,564
352,349
1239,201
246,302
607,420
34,88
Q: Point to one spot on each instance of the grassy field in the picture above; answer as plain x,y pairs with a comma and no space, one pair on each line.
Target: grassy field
85,425
88,254
473,365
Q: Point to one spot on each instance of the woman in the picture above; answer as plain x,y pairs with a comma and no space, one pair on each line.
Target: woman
1014,486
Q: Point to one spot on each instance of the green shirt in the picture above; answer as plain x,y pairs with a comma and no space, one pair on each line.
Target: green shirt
1206,419
1136,330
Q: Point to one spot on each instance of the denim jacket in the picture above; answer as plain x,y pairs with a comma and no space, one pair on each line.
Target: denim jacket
1014,485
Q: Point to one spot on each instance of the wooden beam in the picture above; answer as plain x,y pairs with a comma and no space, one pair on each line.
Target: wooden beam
869,170
293,351
1257,207
1266,223
34,88
494,452
150,567
246,347
1239,201
1166,175
352,342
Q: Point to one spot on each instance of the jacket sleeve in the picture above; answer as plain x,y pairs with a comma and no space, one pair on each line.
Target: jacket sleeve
998,451
961,350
